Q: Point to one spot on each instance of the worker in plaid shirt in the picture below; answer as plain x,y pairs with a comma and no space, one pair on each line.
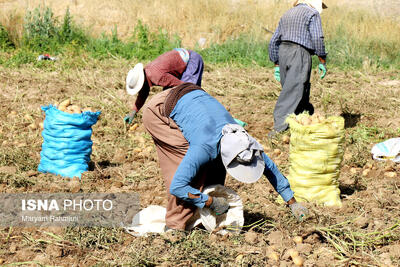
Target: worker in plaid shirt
298,36
168,70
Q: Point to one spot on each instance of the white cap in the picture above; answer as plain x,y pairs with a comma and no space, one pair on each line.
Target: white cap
241,154
317,4
135,79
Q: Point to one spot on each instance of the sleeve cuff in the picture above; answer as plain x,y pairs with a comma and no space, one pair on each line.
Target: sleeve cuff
287,194
204,198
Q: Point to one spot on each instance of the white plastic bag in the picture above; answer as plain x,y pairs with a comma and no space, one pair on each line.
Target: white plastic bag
232,221
389,149
148,220
152,219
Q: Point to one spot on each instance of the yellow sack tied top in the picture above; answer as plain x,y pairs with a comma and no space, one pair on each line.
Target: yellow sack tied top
316,152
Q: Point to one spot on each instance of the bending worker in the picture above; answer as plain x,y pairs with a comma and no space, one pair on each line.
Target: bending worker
298,36
168,70
197,141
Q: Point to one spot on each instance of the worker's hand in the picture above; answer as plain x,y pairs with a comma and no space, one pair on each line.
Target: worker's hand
129,118
322,69
298,211
219,205
277,74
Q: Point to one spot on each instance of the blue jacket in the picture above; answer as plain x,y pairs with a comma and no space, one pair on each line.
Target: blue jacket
201,118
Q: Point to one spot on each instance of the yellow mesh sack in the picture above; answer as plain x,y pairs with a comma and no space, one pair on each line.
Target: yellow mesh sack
316,152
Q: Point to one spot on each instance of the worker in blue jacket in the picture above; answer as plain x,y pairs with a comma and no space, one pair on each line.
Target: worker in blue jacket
197,142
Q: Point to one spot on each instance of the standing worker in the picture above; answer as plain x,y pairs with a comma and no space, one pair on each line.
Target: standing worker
298,36
197,141
168,70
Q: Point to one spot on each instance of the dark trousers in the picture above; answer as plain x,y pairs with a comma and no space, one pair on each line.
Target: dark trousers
295,69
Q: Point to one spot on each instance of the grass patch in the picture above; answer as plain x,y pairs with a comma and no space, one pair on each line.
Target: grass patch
244,51
94,237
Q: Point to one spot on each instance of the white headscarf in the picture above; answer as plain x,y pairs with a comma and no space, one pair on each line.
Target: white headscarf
317,4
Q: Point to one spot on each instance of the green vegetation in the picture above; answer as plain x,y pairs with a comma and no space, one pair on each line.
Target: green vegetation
349,52
43,33
5,41
243,50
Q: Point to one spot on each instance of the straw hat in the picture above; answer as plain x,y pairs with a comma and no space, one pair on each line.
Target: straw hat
135,79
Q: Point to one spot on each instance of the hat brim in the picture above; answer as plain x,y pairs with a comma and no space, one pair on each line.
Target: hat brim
138,74
247,173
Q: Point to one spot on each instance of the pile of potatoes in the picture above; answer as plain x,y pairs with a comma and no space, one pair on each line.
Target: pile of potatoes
305,119
291,253
68,107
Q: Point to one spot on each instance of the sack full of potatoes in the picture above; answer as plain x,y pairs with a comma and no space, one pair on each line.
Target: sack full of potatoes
316,152
67,143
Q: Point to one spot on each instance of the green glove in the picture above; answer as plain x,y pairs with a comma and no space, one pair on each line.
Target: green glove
277,74
219,205
241,123
322,68
129,118
298,211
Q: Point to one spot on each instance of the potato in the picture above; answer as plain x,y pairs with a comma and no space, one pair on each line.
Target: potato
368,165
305,121
239,258
286,139
69,110
75,109
293,253
32,126
298,261
277,152
133,127
137,150
64,104
298,239
353,170
273,256
366,172
317,118
390,174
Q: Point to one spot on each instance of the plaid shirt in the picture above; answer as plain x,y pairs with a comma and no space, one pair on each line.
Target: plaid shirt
302,25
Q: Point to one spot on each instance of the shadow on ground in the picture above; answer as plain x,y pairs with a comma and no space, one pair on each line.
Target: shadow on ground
350,119
254,219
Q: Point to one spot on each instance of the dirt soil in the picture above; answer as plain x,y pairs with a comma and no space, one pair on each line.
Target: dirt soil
365,231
